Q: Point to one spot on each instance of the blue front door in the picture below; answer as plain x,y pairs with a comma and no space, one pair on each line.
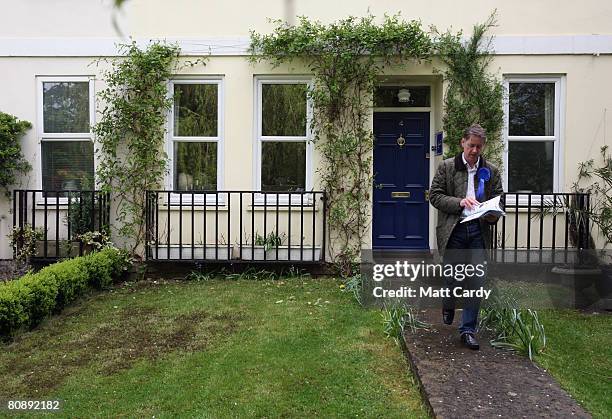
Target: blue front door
401,179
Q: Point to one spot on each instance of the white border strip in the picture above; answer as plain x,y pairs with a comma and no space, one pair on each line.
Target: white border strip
238,46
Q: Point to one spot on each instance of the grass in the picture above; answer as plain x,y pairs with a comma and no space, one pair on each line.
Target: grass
579,356
214,349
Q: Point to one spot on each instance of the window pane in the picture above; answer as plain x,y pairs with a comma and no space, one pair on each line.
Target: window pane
410,96
530,166
195,110
65,107
283,110
67,165
195,166
283,166
532,109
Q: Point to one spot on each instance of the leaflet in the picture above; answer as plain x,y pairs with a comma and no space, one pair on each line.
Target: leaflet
490,207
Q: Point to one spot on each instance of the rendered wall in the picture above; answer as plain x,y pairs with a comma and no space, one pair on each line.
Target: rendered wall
587,101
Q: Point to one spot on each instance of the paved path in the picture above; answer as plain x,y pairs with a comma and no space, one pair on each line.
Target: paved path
462,383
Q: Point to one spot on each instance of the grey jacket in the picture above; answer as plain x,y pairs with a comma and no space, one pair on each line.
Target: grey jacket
449,187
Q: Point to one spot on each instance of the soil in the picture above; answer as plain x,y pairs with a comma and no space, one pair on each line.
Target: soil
137,333
460,382
9,269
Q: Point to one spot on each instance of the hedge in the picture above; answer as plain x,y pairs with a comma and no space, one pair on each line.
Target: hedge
26,301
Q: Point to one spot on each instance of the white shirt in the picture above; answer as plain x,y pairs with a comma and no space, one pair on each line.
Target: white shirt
471,193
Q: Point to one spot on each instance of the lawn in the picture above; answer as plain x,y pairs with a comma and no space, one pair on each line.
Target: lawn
218,348
579,356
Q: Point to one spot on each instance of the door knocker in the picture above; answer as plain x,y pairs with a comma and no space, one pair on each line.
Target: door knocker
401,141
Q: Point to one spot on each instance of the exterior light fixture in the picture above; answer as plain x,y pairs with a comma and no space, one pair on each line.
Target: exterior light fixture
403,96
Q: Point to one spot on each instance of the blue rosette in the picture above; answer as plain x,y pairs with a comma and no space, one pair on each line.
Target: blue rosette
483,175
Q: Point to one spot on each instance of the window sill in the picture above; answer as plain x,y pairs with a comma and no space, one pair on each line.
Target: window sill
536,201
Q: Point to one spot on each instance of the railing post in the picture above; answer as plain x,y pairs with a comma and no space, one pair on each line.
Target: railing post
14,221
240,232
156,221
33,210
289,227
192,225
180,240
46,233
587,219
324,199
147,225
314,229
217,225
228,196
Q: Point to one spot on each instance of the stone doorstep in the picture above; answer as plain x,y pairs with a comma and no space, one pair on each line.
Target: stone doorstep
457,382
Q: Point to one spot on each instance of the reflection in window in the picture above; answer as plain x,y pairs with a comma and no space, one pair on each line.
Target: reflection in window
195,110
283,166
402,96
532,109
66,107
195,166
67,165
284,110
531,166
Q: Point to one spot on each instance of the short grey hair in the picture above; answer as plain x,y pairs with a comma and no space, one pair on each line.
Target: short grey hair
476,130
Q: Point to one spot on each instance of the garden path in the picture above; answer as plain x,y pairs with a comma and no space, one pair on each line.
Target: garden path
459,382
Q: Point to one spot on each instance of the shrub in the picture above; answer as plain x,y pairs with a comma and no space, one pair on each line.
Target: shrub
105,265
38,294
26,301
71,280
11,159
120,260
23,241
12,313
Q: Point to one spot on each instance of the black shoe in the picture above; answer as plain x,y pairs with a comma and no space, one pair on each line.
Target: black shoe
470,341
448,315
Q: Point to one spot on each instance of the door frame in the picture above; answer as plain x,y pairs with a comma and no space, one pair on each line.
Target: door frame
432,160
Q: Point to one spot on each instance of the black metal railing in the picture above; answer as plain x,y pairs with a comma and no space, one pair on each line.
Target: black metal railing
552,223
232,226
58,217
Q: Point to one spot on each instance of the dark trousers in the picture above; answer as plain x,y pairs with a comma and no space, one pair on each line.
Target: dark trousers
465,247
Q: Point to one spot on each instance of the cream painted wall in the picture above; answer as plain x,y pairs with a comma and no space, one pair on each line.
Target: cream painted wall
194,18
222,18
588,103
588,97
587,112
58,18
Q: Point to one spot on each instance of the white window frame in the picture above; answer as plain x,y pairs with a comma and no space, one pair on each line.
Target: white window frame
211,199
283,199
557,137
56,136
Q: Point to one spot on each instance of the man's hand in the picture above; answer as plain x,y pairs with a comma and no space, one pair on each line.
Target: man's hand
468,203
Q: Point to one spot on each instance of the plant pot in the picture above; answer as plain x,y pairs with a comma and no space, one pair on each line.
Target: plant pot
580,283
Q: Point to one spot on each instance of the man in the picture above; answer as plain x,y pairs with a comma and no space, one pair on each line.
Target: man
461,183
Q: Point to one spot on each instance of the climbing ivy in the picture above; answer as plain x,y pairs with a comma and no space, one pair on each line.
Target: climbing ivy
11,158
130,134
473,94
345,57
